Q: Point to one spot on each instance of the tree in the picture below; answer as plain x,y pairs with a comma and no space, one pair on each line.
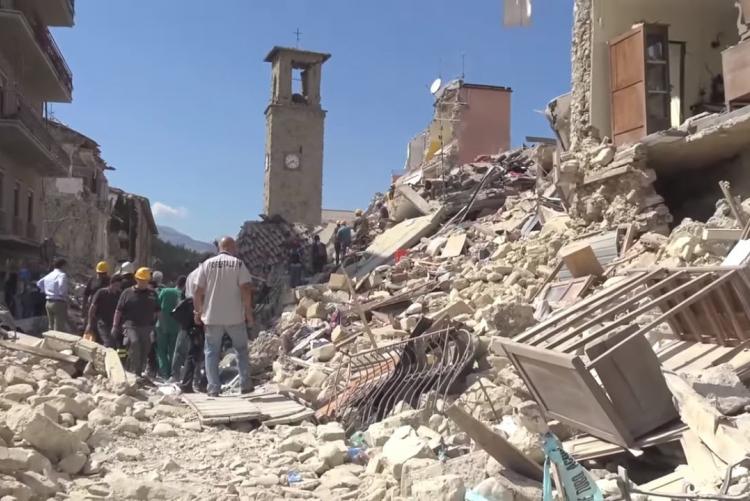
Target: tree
174,260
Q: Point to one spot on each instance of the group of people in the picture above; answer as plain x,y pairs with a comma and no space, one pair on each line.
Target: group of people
172,330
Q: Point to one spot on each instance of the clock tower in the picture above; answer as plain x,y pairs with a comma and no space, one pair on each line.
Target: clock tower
293,185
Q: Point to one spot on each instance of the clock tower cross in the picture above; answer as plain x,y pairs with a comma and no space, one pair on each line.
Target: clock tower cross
293,185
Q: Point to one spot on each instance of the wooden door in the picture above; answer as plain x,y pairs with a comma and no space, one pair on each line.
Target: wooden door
627,77
639,82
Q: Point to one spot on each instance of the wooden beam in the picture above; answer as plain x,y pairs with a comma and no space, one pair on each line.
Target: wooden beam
358,308
736,211
695,297
586,306
496,446
619,309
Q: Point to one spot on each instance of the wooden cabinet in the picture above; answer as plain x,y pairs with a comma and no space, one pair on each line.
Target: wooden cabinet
736,65
639,82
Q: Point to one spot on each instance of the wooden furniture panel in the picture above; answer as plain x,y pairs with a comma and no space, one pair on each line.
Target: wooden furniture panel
626,59
736,63
629,112
566,390
640,90
634,382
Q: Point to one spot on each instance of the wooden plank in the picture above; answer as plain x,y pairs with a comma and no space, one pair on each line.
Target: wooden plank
584,307
728,310
627,86
454,246
358,307
221,410
633,380
736,69
39,351
695,297
712,317
736,211
629,239
643,309
616,310
676,323
566,390
496,446
585,447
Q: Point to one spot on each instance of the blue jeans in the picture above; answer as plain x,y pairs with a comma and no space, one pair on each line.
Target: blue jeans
238,335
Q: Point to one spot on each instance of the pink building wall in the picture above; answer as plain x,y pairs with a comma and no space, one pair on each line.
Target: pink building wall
485,124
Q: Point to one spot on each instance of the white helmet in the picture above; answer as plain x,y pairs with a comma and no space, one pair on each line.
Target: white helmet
157,277
127,267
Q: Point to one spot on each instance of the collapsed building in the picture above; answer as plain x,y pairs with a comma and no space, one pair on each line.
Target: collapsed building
86,219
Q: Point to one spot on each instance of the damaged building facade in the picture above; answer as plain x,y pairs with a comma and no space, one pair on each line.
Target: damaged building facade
86,219
33,72
656,114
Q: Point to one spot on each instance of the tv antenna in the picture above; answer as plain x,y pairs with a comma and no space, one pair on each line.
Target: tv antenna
436,85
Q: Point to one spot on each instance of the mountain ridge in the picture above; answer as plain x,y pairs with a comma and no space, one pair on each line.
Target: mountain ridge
176,237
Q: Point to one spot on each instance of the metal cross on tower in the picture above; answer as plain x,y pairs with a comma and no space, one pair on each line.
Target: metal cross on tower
298,34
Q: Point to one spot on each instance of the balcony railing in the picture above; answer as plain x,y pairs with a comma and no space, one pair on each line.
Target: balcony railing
13,107
49,46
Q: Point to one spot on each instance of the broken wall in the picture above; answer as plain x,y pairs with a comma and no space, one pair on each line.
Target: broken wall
130,228
484,128
76,222
707,27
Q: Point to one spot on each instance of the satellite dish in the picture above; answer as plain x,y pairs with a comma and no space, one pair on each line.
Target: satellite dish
435,87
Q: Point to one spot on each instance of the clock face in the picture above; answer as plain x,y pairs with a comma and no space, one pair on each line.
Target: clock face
292,161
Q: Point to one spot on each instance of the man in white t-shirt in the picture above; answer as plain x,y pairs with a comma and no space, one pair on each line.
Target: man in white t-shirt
223,302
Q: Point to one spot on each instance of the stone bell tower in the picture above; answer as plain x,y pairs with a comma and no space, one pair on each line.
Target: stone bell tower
293,185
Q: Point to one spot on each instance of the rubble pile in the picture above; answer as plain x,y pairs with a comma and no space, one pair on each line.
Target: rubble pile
510,311
59,432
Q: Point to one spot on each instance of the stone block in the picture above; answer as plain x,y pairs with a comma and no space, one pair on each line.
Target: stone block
333,454
443,488
402,446
316,310
72,463
18,392
470,467
17,375
48,437
337,282
331,432
323,353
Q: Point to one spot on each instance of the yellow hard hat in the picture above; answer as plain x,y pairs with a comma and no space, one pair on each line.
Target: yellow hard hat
143,274
102,267
358,212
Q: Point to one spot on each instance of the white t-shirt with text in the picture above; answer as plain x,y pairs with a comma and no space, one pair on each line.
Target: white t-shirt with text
221,277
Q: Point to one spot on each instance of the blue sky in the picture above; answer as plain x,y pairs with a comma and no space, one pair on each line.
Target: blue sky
174,90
